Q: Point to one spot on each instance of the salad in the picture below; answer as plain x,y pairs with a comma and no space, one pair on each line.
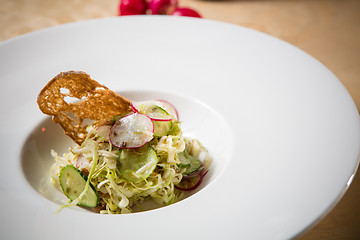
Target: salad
137,156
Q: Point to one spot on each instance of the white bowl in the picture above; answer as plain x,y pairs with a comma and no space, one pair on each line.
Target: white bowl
283,131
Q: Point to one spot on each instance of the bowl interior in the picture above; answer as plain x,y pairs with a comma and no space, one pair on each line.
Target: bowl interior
198,121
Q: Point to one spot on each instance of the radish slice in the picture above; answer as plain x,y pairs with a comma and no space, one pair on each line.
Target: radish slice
132,131
103,131
166,112
82,163
135,106
169,108
191,183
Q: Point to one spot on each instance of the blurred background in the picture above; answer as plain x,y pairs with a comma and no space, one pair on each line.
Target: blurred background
329,30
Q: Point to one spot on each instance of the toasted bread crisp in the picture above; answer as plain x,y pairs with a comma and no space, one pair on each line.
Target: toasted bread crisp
75,100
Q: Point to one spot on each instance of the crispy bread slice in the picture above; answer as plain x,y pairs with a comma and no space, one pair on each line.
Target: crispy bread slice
74,100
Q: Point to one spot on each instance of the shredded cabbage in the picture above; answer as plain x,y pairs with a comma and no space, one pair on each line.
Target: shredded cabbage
98,159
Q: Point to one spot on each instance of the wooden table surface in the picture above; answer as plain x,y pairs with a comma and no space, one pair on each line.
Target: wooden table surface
329,30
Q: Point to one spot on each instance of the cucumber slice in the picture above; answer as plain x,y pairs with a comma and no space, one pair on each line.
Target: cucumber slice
162,128
156,113
152,109
137,164
139,106
73,182
188,163
161,119
184,160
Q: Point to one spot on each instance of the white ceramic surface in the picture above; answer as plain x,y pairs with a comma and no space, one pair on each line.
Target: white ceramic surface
283,130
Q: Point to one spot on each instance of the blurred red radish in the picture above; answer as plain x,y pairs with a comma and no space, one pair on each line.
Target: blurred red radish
133,7
185,12
162,6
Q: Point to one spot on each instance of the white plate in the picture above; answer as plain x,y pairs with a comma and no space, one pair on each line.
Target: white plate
283,130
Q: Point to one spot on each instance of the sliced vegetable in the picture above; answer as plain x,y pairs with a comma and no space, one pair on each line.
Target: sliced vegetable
162,120
82,163
103,131
175,128
191,182
165,105
132,131
117,117
137,164
156,113
188,163
162,128
153,109
184,161
169,108
72,182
